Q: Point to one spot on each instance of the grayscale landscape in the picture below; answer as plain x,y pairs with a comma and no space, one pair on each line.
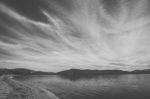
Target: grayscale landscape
74,49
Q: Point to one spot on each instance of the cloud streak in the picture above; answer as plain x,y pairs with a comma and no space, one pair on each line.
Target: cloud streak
89,35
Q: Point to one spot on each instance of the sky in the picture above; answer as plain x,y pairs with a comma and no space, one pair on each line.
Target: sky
55,35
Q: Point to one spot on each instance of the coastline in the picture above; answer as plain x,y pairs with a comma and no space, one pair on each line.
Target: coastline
5,89
25,91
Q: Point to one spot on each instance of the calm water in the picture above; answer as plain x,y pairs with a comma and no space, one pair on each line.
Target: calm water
102,87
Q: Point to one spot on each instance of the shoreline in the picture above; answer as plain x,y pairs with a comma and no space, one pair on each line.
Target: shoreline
5,89
26,91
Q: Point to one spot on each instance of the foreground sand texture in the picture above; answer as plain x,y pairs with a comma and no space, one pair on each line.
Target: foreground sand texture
4,89
12,89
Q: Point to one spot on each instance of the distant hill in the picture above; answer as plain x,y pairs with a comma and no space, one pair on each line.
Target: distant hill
145,71
76,72
71,72
22,71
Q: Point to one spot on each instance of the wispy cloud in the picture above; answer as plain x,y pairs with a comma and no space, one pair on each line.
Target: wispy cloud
88,36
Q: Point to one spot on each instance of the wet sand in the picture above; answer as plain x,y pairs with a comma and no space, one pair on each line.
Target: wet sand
13,89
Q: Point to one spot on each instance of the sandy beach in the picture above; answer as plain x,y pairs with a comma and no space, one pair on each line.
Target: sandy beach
4,89
12,89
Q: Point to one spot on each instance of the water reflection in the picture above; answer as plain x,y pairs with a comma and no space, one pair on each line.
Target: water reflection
100,87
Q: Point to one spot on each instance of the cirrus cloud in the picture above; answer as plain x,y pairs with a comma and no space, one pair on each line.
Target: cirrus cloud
90,36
